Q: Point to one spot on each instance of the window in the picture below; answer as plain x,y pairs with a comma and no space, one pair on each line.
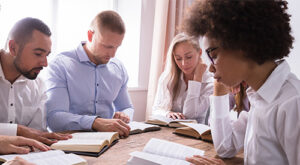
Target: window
69,21
13,10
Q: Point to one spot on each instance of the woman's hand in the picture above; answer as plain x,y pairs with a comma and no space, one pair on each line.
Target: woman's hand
220,89
199,70
175,115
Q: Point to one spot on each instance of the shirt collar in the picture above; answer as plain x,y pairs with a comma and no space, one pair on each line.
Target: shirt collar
270,89
83,57
1,72
19,79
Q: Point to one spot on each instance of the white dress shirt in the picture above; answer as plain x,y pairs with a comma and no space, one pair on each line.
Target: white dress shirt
22,102
192,102
270,131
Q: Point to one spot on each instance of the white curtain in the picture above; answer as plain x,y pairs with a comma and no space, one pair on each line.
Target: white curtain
168,16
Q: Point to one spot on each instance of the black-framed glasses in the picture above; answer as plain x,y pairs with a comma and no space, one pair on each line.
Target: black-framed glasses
208,51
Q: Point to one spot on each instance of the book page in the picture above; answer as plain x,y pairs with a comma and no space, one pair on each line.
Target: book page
66,159
161,118
93,135
79,142
34,155
139,125
87,138
137,161
170,149
200,128
154,159
184,120
168,120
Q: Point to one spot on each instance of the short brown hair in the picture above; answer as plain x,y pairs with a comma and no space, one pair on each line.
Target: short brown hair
23,29
260,28
110,20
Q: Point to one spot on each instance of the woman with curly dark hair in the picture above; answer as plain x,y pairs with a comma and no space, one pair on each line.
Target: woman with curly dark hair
246,41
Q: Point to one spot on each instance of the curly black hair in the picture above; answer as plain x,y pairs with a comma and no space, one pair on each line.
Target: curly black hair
260,28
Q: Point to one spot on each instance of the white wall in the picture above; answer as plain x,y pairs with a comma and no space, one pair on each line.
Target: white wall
294,57
139,100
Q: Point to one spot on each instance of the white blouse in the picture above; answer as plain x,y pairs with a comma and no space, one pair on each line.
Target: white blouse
193,102
22,102
270,131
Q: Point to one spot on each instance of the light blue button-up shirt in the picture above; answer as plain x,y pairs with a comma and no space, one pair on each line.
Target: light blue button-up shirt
79,91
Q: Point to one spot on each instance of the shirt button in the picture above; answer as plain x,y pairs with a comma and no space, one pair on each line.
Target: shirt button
10,122
97,84
11,104
11,86
96,101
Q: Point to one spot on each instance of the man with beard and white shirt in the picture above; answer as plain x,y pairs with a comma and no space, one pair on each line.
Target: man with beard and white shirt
22,93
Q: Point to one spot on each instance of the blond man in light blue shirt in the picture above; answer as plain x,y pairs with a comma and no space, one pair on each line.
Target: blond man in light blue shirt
87,86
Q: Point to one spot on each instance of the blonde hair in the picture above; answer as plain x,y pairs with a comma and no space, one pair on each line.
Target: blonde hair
239,99
172,71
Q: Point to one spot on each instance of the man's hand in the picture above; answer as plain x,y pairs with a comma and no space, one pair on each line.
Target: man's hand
200,160
44,137
17,144
18,161
122,116
175,115
111,125
199,70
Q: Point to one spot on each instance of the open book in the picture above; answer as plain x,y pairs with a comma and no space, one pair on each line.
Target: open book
159,151
87,143
51,157
139,127
165,121
199,131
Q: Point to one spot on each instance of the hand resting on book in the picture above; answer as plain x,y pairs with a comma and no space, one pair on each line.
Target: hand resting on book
111,125
15,144
175,115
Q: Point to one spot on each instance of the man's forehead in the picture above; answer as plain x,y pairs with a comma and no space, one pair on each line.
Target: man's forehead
39,43
112,39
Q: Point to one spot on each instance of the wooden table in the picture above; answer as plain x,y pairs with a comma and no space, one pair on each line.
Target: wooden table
119,153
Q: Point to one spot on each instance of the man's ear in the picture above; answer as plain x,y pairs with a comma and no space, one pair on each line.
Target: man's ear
13,47
90,35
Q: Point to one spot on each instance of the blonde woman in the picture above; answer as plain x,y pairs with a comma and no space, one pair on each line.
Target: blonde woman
185,85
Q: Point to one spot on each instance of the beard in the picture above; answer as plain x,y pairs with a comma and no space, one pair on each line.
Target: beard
30,74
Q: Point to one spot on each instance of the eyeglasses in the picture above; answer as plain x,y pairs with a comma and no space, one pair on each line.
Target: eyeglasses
208,51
